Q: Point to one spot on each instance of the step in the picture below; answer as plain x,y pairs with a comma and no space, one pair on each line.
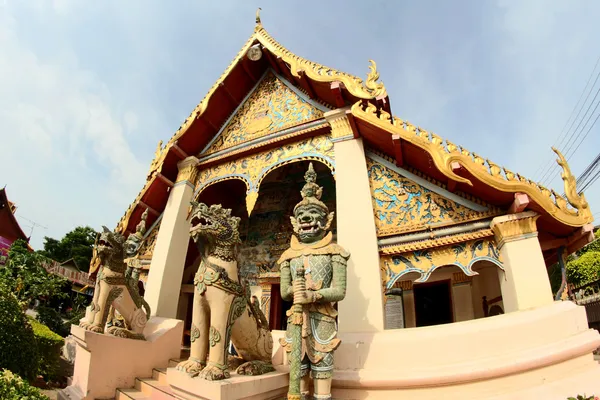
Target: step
131,394
174,361
154,389
160,374
148,389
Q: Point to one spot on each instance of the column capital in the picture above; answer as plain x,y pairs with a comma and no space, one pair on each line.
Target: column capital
340,124
188,171
508,228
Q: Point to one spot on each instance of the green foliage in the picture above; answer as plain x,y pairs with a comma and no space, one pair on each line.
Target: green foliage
49,346
26,277
584,269
584,397
13,387
53,320
594,246
77,244
18,351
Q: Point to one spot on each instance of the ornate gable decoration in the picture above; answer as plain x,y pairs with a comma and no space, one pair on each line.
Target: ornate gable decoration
402,205
424,262
271,107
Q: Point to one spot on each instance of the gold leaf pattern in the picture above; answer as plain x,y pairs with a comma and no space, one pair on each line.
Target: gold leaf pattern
424,262
270,108
254,168
401,205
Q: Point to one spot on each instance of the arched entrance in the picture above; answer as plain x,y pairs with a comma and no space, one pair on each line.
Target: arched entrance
270,230
265,234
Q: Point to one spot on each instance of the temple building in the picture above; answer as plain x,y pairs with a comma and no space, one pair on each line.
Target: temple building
438,235
10,230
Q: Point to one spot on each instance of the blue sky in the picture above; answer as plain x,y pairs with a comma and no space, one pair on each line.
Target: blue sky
89,88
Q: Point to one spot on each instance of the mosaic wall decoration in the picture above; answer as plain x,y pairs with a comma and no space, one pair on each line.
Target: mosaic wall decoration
463,255
254,168
272,107
401,205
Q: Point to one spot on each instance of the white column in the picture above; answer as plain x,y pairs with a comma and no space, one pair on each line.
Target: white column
525,283
168,261
362,309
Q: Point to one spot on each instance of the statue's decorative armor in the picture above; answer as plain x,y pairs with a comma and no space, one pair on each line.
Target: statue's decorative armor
325,274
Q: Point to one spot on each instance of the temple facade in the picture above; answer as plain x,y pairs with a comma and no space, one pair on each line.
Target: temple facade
438,235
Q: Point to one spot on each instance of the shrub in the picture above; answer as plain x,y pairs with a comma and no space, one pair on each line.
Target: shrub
49,345
584,269
52,319
13,387
18,351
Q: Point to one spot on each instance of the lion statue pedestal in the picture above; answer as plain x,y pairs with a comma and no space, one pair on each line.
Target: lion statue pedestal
105,363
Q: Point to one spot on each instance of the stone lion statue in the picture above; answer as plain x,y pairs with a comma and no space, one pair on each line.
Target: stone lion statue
223,309
116,289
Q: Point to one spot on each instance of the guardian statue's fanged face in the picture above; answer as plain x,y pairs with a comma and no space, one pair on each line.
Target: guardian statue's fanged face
312,218
213,224
110,245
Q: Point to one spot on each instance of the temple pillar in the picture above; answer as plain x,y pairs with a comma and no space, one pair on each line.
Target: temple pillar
168,261
525,283
362,310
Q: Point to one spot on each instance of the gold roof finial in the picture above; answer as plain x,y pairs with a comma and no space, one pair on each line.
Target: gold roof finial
577,200
376,88
258,16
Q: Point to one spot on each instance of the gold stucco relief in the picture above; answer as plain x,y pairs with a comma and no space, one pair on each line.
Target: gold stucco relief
424,262
401,205
252,169
272,107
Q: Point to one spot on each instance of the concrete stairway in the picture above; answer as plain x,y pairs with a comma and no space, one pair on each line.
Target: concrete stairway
155,388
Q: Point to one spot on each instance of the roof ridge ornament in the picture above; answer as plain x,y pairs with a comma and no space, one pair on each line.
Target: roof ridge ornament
258,22
372,78
577,200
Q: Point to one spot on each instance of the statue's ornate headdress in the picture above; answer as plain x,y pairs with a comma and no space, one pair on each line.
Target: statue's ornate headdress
311,192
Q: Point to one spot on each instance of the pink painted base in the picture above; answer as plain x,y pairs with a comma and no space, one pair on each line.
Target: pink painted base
539,353
105,363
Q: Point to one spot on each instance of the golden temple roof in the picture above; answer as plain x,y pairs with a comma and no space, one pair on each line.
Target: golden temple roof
443,152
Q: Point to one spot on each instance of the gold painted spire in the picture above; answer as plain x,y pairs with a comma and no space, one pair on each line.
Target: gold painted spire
258,16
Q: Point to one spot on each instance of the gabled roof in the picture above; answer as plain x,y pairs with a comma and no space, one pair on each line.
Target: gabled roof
370,114
9,226
323,84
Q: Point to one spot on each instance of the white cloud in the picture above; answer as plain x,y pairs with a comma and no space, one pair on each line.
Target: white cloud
66,158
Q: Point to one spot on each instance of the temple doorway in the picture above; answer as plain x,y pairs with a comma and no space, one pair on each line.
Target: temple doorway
433,303
279,308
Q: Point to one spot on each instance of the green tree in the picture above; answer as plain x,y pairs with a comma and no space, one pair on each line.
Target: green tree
77,244
26,277
585,268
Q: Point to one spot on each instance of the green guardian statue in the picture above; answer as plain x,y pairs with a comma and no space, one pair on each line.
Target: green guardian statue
313,275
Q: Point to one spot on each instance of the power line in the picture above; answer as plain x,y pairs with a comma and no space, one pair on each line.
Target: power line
591,181
570,144
33,225
549,163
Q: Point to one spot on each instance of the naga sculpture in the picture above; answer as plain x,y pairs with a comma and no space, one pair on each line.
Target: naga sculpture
222,308
116,288
313,276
